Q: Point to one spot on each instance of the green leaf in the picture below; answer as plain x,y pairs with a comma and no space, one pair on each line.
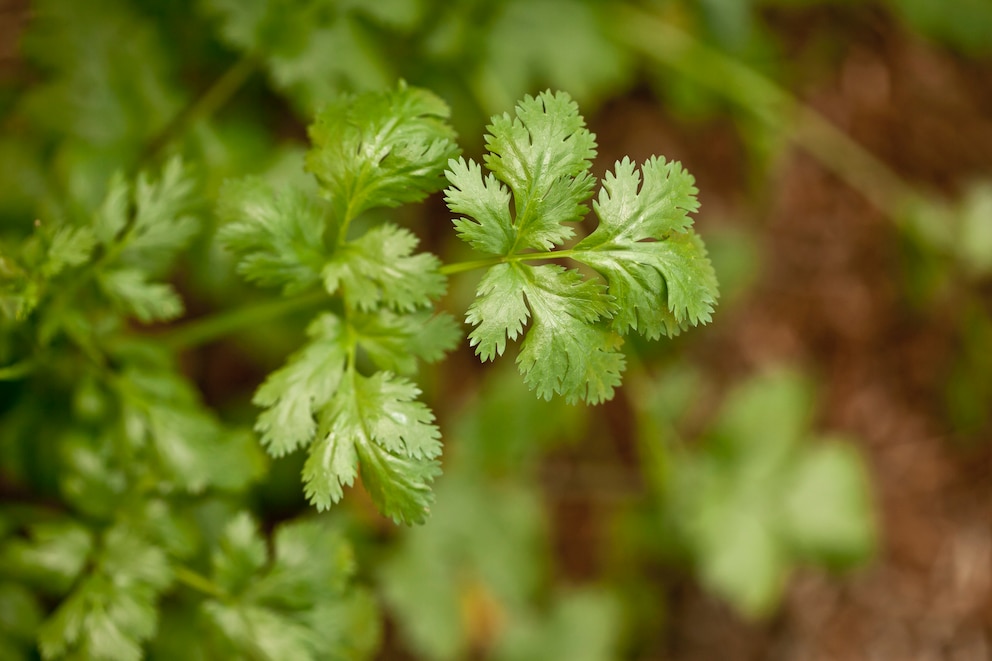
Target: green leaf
294,603
829,513
568,44
20,614
189,443
757,498
487,201
112,611
240,554
380,269
380,150
376,422
129,290
278,238
583,625
656,268
464,566
543,155
294,393
161,224
499,310
568,350
659,279
394,342
69,246
52,557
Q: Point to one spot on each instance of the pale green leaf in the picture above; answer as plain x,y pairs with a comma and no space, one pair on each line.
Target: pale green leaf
381,150
828,506
52,556
278,237
394,342
543,154
380,269
567,350
498,312
112,611
487,227
129,290
69,246
375,423
294,393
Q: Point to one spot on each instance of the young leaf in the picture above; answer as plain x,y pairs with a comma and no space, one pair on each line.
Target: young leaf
162,409
379,269
292,604
657,270
279,238
380,150
161,224
543,155
131,293
394,342
659,279
294,393
375,423
112,611
568,350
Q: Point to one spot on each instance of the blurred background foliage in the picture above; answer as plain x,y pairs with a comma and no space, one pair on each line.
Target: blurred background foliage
834,416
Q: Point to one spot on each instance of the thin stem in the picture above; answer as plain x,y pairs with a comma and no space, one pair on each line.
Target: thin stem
17,370
204,106
838,152
198,582
202,331
461,267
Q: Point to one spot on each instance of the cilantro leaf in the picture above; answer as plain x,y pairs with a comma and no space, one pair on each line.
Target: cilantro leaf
762,494
378,268
280,605
484,200
658,277
394,342
567,350
112,610
294,393
53,556
163,412
656,268
380,150
376,422
69,246
129,290
277,237
543,155
161,224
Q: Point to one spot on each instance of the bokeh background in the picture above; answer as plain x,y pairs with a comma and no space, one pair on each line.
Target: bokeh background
809,477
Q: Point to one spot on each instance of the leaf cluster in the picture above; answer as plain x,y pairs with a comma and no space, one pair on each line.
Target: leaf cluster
370,151
764,494
654,275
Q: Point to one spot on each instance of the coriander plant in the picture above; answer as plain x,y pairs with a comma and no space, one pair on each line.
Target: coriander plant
358,416
135,509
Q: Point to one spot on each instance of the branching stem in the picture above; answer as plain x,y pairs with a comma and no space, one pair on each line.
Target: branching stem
199,582
208,329
212,100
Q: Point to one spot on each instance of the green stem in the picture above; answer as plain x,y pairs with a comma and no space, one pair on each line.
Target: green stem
202,331
208,103
461,267
707,66
199,582
17,370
